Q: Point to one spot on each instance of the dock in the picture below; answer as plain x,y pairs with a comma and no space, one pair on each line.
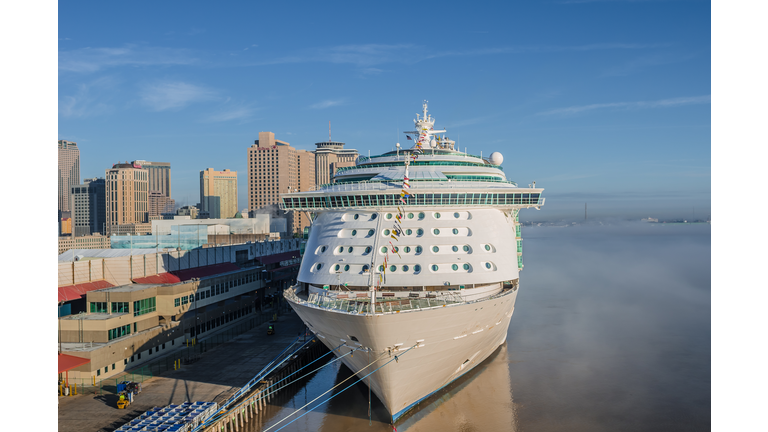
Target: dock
216,376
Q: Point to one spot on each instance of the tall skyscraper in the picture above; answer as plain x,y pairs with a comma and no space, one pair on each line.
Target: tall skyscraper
218,193
89,207
330,156
69,172
274,168
159,176
127,187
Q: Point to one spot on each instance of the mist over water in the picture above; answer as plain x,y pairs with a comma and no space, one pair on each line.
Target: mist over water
611,331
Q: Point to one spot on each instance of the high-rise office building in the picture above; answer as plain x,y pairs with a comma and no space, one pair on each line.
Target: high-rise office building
218,193
69,172
89,207
330,156
274,168
127,188
159,203
159,176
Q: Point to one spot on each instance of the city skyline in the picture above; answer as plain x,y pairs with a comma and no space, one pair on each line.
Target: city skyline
578,96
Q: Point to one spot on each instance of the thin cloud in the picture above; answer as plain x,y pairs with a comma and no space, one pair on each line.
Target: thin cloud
88,100
643,62
663,103
544,49
87,60
369,55
231,113
173,95
327,104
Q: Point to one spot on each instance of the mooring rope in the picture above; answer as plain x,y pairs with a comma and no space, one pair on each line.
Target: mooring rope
342,391
309,373
326,392
224,408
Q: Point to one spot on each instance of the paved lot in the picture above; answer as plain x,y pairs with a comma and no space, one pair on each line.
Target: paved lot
218,374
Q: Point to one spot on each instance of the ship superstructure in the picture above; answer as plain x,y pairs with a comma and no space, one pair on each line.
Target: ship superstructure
413,251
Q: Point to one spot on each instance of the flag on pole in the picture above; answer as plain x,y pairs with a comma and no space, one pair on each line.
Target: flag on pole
409,137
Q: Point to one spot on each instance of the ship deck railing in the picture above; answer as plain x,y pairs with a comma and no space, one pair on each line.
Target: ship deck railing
341,301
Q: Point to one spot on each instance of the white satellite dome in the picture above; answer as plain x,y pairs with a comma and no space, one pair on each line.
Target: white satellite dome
496,158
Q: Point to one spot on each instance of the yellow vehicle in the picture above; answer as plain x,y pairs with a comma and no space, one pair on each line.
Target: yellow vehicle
122,402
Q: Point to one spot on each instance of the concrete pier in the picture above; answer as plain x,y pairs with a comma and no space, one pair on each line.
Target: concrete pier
215,377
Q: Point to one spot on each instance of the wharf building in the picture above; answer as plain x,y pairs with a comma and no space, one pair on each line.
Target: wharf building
95,241
120,308
218,193
88,204
127,189
330,156
274,168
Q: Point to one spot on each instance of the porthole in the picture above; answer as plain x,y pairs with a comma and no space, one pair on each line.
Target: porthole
466,266
454,267
436,231
435,248
381,268
395,249
356,216
405,268
350,249
437,215
434,267
386,232
456,215
336,267
392,268
384,249
318,267
354,232
410,215
323,249
408,231
487,247
455,248
455,231
487,265
367,249
373,216
418,249
466,248
419,231
406,249
370,232
421,215
365,268
389,215
341,249
417,268
346,267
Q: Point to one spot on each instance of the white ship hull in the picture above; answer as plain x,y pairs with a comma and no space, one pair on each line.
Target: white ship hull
449,341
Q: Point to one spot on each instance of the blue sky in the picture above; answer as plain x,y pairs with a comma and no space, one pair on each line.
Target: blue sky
604,102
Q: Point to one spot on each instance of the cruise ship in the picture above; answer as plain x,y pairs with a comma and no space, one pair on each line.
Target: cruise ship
414,256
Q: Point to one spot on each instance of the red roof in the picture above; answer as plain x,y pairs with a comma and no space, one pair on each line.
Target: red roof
161,278
271,259
74,292
68,362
